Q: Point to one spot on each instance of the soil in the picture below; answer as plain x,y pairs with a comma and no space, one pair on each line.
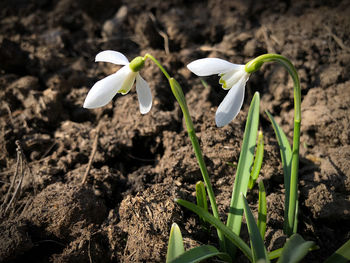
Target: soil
124,210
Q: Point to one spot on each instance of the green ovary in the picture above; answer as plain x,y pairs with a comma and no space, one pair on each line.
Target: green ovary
137,64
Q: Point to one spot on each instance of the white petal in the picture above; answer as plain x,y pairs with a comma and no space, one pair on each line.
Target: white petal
232,103
144,94
112,57
210,66
104,90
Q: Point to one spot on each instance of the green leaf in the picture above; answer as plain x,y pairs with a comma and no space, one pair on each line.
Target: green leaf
286,156
198,254
234,220
295,249
342,255
275,253
295,225
204,83
201,195
175,245
262,210
256,242
235,239
259,154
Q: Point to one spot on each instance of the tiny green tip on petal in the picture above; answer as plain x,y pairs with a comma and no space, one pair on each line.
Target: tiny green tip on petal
137,64
223,83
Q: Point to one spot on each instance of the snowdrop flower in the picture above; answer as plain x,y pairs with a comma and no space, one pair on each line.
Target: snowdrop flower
120,82
233,77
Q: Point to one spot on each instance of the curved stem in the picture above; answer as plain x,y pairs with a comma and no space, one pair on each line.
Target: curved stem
253,66
180,97
158,64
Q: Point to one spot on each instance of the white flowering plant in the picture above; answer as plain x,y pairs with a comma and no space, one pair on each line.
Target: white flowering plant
233,77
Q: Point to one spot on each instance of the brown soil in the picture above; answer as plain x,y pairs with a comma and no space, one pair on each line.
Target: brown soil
125,210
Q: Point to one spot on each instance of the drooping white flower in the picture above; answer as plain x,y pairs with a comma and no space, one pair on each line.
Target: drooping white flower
120,82
233,77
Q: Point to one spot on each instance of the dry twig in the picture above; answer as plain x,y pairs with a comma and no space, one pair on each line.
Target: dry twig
93,151
161,33
269,45
7,107
337,39
20,169
19,166
221,50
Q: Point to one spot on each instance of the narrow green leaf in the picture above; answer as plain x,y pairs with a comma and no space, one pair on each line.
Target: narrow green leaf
275,253
175,245
259,154
286,157
256,242
295,225
246,157
342,255
180,97
295,249
262,210
198,254
201,195
204,83
234,220
235,239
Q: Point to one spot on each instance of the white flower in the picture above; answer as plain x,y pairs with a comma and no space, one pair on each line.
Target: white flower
120,82
232,77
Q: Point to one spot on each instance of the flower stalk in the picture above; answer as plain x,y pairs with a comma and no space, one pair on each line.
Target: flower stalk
180,97
253,66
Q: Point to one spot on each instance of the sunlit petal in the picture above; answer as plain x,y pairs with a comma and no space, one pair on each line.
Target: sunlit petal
144,94
104,90
112,57
211,66
232,103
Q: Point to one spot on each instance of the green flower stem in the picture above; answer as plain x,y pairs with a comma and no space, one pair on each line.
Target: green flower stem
180,97
255,65
158,64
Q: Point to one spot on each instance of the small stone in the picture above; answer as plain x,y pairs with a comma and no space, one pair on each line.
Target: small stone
112,26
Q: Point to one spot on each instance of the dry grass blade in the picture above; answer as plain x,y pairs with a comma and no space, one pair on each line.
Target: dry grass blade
337,39
161,33
12,183
93,151
19,166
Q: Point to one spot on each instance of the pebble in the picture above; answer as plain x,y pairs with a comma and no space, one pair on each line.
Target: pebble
112,26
